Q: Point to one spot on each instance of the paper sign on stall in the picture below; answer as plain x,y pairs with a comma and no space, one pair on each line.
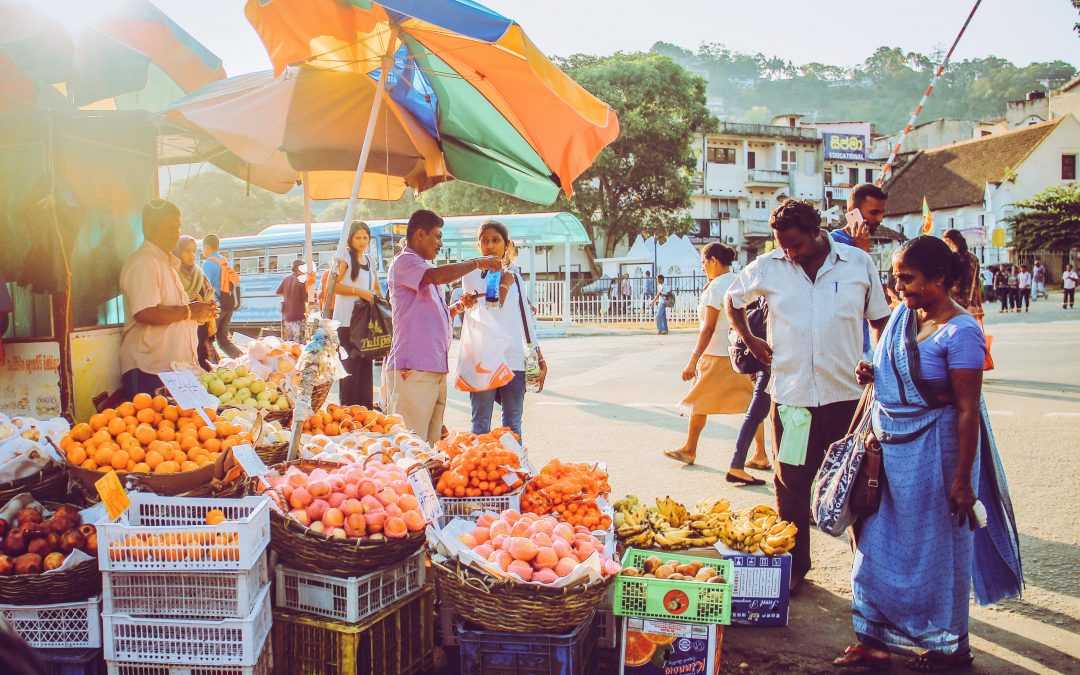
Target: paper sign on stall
249,460
508,441
189,392
112,494
425,494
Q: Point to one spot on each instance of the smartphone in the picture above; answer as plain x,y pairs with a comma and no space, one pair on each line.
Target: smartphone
854,218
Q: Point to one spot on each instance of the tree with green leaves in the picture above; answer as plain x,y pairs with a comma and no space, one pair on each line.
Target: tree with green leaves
641,182
216,202
1049,221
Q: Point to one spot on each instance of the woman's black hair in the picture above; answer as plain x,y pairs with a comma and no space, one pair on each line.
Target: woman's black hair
957,238
933,258
494,225
354,257
717,251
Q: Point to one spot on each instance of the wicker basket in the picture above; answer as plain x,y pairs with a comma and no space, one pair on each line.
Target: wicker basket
273,454
301,548
49,483
514,607
78,583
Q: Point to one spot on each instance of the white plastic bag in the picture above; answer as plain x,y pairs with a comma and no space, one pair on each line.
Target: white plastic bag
482,362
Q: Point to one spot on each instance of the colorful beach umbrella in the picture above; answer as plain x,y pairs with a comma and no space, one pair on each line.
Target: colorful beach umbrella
132,56
502,115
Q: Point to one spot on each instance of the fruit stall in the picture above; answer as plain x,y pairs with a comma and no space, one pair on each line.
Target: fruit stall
266,530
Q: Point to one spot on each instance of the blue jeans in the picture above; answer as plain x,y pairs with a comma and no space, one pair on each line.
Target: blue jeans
661,318
760,403
511,398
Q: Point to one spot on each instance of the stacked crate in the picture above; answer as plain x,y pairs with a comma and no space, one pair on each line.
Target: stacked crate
379,623
181,595
66,636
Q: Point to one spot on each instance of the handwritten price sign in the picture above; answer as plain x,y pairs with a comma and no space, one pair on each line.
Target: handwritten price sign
188,392
425,493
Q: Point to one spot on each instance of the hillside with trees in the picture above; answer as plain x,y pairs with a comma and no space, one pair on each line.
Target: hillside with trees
882,89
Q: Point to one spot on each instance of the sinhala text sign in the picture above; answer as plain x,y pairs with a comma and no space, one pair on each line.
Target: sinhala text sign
844,146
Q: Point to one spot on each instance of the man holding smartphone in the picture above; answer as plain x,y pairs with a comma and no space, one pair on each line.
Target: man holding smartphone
865,211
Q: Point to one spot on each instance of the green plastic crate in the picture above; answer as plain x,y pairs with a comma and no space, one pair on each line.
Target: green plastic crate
704,603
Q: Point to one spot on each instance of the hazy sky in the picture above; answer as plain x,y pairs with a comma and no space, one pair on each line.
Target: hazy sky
842,32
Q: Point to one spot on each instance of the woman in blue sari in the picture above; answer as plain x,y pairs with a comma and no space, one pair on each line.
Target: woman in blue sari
929,542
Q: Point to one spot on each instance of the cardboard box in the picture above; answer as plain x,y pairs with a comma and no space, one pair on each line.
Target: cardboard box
759,594
653,647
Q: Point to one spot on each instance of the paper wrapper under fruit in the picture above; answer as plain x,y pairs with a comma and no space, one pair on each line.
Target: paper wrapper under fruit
449,540
94,515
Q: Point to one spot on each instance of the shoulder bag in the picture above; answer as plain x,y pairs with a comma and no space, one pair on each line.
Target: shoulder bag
742,359
371,328
848,484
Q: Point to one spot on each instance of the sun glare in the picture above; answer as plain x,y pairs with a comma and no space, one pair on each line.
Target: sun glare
76,14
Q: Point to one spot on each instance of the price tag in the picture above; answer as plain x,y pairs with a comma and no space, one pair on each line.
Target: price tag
425,494
189,392
249,460
112,495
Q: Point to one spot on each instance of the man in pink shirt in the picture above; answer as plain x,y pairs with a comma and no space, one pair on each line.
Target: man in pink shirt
414,373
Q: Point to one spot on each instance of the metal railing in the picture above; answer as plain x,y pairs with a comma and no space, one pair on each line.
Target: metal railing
744,129
766,176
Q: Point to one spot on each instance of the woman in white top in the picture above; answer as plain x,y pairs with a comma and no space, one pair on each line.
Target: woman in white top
717,389
355,280
514,314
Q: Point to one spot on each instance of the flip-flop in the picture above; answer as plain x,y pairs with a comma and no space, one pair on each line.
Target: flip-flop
760,467
858,656
679,456
732,478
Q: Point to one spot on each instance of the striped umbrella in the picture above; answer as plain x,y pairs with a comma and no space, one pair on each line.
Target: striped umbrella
132,57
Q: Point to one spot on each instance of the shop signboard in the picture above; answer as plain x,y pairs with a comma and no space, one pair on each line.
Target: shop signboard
30,379
844,146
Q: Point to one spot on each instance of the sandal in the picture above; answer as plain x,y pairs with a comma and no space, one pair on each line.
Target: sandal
680,456
760,467
936,661
861,656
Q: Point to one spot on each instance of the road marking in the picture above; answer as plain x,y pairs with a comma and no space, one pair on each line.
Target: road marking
652,405
1062,414
1002,412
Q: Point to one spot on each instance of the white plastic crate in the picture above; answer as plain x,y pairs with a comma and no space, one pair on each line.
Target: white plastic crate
466,506
264,666
169,533
205,595
68,625
348,599
189,642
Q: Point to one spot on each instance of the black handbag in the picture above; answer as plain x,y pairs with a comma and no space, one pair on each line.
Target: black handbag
742,359
371,329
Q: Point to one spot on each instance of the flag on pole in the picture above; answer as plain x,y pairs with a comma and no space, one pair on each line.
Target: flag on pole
927,218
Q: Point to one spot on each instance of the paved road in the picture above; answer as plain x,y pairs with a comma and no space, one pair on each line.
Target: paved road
612,398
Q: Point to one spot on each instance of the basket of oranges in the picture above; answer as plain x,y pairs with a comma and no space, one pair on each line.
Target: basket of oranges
337,420
153,444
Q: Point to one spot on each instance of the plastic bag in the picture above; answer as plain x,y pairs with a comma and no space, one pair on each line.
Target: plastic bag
482,362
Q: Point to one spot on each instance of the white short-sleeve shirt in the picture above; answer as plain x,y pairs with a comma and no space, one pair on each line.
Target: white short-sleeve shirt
148,279
814,327
713,296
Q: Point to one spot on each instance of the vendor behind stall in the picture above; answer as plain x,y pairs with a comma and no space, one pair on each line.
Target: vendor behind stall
160,326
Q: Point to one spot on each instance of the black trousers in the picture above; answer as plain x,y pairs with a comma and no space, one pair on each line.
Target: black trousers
358,388
1069,298
224,333
828,424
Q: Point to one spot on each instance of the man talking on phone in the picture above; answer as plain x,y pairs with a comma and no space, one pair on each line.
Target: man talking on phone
865,211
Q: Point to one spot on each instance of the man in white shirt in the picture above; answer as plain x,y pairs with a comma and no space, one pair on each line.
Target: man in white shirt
819,293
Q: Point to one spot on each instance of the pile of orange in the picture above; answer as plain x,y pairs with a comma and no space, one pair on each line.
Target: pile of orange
481,471
149,435
177,547
337,420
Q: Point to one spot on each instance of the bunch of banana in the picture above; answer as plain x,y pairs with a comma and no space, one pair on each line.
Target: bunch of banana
672,511
631,521
758,530
711,505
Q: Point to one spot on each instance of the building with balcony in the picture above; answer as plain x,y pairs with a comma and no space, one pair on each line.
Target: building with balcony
744,171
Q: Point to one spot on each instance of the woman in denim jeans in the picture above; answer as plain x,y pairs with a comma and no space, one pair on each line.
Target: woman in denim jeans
752,427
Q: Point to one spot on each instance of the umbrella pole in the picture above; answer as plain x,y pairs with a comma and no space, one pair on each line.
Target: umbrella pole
309,255
365,150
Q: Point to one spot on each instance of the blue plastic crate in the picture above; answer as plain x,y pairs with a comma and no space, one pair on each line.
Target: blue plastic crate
492,653
72,661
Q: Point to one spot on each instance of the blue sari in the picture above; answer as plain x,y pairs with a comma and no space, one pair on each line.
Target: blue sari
915,567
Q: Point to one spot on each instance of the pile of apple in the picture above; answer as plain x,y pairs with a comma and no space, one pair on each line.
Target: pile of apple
535,548
239,387
33,543
353,501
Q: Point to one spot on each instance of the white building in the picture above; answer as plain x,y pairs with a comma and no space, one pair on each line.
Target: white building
972,185
744,171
